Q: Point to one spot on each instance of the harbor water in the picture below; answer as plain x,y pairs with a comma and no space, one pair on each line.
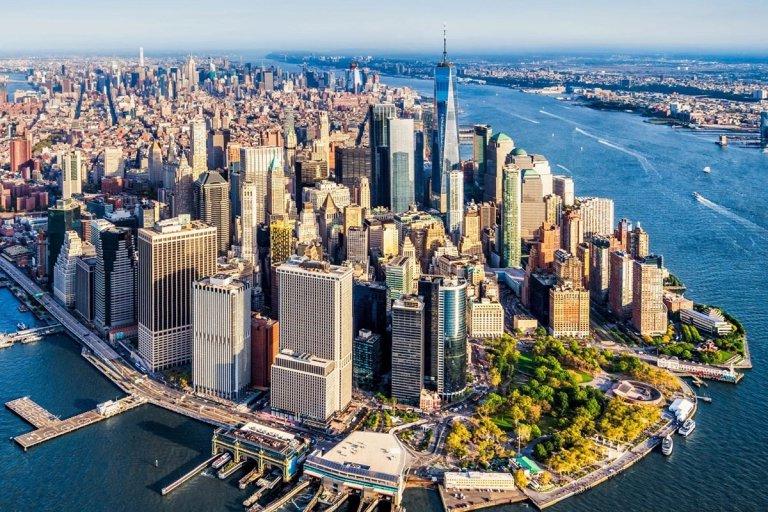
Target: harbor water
717,246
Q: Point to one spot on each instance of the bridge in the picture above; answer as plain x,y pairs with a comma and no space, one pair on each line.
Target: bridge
28,335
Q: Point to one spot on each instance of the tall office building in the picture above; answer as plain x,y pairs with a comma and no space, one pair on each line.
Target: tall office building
114,165
172,255
366,360
65,269
84,284
351,164
401,164
183,186
445,312
407,349
620,285
198,143
221,336
649,314
316,319
115,280
499,146
255,163
289,141
265,343
378,133
62,217
445,153
276,189
280,241
481,136
510,217
211,205
399,276
71,178
572,231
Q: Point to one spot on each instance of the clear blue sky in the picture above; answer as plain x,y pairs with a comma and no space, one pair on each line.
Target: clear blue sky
487,26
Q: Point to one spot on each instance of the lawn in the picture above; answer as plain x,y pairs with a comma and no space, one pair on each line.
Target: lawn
581,377
525,363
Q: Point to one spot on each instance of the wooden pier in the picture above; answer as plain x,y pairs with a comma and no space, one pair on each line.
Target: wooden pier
48,426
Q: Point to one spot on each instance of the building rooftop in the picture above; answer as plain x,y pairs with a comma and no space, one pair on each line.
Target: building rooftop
370,451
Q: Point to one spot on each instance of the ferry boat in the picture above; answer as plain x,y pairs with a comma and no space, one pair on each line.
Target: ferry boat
666,445
21,326
221,461
688,427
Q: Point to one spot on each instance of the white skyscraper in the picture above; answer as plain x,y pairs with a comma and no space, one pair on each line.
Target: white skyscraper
401,164
221,336
198,141
71,180
255,164
141,56
65,268
315,319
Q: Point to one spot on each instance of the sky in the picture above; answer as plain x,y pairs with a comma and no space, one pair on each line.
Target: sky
415,26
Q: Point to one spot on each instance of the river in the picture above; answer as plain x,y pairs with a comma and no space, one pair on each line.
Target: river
717,247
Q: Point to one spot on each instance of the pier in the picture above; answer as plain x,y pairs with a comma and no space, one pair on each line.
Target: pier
283,499
186,476
700,371
48,426
28,335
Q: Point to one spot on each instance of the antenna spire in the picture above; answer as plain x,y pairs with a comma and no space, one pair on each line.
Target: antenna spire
445,44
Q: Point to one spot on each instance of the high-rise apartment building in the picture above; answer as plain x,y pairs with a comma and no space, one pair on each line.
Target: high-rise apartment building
21,152
562,186
649,314
221,336
172,255
72,171
596,216
620,286
407,349
510,217
568,311
599,269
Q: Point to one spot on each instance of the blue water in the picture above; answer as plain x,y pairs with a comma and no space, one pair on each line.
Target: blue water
718,249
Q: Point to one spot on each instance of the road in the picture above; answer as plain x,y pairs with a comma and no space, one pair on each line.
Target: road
115,368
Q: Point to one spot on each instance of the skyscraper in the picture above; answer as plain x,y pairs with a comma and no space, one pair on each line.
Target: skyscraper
407,349
620,285
71,179
445,313
172,255
183,188
446,138
455,215
156,167
510,217
315,319
198,142
481,136
265,342
62,217
596,216
499,146
115,281
221,336
255,164
401,164
65,269
21,152
378,132
211,205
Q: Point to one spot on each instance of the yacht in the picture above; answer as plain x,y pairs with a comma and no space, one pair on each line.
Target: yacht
687,428
21,326
707,169
666,445
697,196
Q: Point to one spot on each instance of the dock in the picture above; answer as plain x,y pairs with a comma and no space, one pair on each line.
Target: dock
478,499
48,426
28,335
283,499
250,477
186,476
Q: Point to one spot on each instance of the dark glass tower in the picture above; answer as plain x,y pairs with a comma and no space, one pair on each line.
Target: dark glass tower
378,132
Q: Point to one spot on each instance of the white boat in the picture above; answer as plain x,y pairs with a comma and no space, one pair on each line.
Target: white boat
707,169
688,427
221,460
666,445
697,196
21,326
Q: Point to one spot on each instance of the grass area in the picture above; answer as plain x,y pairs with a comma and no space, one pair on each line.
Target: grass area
582,377
525,363
503,421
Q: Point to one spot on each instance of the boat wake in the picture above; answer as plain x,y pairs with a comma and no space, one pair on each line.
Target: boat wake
564,168
644,162
524,118
730,214
550,114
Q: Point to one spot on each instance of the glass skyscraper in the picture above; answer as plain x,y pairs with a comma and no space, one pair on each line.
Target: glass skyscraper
401,164
446,145
510,217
